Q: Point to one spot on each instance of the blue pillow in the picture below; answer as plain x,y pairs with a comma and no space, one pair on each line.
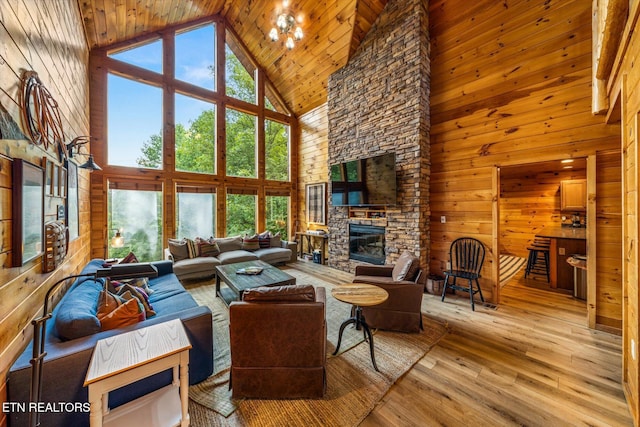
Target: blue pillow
76,313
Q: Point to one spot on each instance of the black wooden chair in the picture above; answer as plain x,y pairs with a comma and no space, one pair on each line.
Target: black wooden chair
466,255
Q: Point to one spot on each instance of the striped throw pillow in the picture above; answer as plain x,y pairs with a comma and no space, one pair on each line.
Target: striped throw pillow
251,243
207,247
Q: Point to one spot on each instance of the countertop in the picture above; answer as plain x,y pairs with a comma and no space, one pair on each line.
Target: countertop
564,233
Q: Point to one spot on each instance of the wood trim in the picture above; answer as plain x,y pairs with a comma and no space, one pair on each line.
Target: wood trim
591,242
495,233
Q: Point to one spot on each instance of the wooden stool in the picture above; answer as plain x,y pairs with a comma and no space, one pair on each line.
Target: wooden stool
535,263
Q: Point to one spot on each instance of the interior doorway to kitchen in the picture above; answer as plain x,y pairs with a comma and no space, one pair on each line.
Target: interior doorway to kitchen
530,204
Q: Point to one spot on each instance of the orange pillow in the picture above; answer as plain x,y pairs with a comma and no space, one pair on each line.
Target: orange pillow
125,315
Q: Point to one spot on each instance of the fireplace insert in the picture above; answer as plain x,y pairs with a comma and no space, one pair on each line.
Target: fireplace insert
366,243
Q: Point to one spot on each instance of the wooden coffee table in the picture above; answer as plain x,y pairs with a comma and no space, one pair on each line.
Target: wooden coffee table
360,295
238,283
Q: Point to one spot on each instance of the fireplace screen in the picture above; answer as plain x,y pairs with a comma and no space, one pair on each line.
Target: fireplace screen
366,243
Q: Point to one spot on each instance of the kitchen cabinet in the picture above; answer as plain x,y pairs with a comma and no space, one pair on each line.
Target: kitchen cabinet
573,195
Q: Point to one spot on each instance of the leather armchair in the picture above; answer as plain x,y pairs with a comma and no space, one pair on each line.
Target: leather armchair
402,310
278,341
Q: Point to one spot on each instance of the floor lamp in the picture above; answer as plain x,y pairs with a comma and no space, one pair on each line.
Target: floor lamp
118,271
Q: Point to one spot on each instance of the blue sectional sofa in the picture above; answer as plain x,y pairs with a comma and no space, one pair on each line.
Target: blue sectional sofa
66,362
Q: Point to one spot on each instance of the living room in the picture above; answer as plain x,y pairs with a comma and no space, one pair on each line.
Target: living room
455,91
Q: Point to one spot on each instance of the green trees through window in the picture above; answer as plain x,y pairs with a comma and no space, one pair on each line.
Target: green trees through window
195,133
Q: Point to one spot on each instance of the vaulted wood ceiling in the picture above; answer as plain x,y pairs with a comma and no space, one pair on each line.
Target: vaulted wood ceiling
333,31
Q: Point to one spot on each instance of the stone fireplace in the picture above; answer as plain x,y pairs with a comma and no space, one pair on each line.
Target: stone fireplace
379,103
366,243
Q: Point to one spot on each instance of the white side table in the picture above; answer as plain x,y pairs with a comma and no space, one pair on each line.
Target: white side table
129,357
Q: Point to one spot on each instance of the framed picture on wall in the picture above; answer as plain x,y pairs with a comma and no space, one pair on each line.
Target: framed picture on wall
28,212
316,197
48,174
72,214
55,181
63,182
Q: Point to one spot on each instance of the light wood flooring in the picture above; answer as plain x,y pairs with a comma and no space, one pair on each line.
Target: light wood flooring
530,361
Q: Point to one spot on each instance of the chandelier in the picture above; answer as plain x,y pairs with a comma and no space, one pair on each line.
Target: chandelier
285,23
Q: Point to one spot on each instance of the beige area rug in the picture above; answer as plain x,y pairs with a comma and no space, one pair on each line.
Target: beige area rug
353,386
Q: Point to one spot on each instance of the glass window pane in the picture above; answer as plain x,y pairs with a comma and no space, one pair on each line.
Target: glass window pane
241,144
139,215
195,57
240,77
134,123
276,139
147,56
241,214
196,215
277,211
195,135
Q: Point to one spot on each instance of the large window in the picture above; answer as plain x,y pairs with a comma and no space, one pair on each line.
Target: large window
195,211
241,213
195,135
134,130
195,56
276,142
241,144
196,127
277,213
136,209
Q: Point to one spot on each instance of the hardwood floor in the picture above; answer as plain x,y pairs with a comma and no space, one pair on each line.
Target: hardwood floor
530,361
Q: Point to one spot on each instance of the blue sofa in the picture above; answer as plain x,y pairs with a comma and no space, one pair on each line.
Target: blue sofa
67,361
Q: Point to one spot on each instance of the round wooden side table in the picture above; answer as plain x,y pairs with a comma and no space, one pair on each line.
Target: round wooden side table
360,295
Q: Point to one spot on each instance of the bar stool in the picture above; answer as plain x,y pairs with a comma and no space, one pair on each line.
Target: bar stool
537,264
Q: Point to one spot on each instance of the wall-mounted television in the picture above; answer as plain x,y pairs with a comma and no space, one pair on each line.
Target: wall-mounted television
364,182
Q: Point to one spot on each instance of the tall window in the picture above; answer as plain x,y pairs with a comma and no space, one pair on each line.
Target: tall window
278,214
137,210
195,134
147,56
195,211
240,72
241,213
195,56
241,144
134,129
276,141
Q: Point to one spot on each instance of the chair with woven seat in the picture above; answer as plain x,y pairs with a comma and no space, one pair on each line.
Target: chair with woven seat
466,256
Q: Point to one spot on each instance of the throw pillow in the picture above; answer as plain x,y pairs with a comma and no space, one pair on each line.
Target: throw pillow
227,244
142,315
406,267
129,259
192,248
291,293
107,302
207,247
178,249
251,243
140,282
276,241
264,239
124,315
140,295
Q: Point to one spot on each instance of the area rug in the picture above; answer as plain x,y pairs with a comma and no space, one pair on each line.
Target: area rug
353,386
509,266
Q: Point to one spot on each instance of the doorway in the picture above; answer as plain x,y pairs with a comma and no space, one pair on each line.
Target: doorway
529,203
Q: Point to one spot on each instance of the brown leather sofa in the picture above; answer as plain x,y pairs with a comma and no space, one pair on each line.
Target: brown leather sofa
278,341
401,311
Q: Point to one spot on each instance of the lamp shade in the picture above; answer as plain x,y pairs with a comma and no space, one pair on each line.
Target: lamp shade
117,241
90,164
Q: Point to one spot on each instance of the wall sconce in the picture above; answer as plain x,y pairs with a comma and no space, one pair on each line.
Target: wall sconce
76,143
117,241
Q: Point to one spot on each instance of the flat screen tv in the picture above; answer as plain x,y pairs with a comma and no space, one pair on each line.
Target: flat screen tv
365,182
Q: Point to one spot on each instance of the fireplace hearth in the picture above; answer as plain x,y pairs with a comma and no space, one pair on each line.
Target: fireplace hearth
366,243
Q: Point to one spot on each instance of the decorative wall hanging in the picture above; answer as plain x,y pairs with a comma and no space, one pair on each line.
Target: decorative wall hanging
56,244
28,212
316,203
40,114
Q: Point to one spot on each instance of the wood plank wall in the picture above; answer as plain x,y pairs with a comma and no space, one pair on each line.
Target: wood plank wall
313,157
530,202
46,37
510,85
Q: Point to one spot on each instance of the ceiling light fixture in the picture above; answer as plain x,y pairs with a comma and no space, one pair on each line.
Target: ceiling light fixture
285,23
566,161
